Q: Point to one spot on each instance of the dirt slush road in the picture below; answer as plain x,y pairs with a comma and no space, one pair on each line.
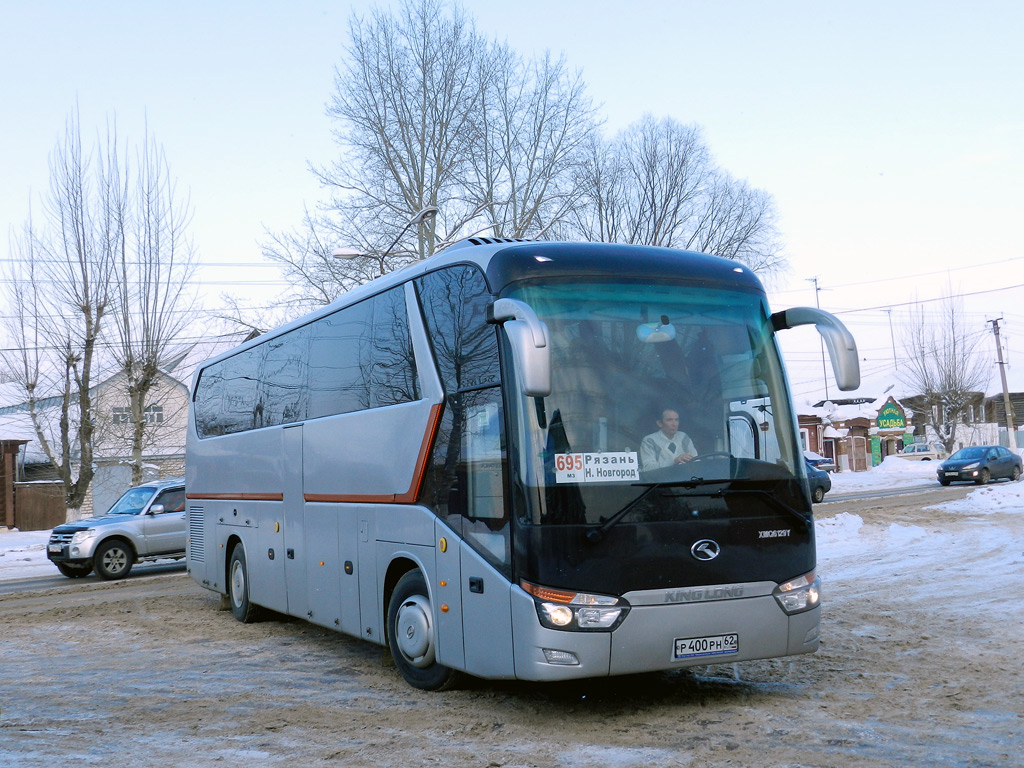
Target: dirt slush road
150,672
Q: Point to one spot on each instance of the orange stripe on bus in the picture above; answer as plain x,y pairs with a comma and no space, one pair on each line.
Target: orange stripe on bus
410,496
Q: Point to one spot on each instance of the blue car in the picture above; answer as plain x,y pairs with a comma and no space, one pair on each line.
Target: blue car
980,464
819,481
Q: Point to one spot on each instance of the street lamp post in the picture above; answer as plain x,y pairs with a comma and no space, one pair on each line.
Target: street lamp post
418,218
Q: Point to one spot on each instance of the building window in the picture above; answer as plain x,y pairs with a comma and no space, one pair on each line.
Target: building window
154,414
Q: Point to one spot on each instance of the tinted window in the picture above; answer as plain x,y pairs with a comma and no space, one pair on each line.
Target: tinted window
393,376
339,361
357,358
227,396
465,346
173,500
283,391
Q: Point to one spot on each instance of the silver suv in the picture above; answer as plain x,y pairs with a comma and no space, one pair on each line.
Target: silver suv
146,523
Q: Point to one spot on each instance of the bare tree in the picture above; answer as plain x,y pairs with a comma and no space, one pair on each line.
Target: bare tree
97,288
534,124
60,286
737,222
944,365
405,104
154,262
656,184
430,114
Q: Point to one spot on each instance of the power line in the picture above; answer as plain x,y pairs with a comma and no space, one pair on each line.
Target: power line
914,276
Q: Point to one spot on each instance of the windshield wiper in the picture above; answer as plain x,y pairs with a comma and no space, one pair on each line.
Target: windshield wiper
598,533
805,519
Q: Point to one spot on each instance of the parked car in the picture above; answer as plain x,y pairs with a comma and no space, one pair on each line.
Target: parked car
924,452
819,461
147,523
819,481
979,464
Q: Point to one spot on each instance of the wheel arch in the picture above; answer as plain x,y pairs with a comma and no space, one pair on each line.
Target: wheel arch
397,568
233,541
118,537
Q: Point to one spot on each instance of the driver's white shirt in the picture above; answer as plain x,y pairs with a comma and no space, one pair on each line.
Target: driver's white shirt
656,449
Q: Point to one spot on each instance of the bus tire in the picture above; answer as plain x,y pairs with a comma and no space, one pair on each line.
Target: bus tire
238,588
411,635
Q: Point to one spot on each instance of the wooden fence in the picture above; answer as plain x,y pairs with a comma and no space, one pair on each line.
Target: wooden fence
39,506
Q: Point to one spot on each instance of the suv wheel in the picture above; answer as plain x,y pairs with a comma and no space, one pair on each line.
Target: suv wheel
113,560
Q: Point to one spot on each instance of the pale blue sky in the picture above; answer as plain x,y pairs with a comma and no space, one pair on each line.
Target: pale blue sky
891,134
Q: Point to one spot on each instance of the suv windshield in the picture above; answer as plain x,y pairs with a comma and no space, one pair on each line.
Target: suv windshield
133,501
668,411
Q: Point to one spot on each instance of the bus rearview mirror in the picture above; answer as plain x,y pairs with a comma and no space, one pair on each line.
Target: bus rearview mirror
528,337
842,349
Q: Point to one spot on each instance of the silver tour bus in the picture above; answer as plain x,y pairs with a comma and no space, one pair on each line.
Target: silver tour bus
455,460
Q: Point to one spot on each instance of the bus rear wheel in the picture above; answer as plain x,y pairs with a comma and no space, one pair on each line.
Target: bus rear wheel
238,588
411,635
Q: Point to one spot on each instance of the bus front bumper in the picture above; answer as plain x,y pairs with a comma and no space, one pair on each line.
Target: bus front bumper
646,641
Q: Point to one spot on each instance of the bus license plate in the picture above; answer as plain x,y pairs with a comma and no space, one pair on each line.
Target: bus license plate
713,645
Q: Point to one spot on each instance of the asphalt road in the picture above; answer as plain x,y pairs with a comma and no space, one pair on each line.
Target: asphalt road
37,583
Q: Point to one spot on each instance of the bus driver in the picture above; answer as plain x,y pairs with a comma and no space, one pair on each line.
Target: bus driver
668,445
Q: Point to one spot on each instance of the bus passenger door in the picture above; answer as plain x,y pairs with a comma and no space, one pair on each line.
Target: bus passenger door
486,545
294,540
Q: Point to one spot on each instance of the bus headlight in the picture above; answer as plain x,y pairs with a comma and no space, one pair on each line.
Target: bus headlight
800,594
576,611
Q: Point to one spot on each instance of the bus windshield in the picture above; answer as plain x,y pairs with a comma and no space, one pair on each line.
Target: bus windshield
662,385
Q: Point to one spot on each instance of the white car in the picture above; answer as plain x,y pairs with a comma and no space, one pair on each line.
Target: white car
924,452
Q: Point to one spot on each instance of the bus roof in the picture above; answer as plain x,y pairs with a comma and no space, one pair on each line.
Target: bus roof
506,261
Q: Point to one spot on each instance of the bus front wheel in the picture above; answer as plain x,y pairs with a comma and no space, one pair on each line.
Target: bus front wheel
238,588
411,635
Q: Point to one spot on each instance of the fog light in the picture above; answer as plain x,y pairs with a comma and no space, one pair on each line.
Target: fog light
561,657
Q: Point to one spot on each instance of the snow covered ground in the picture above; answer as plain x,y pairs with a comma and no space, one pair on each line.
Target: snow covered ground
23,553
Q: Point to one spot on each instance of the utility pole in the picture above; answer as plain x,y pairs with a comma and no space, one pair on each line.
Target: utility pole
821,341
1010,432
892,337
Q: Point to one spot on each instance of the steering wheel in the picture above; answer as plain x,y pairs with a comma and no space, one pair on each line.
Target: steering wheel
712,455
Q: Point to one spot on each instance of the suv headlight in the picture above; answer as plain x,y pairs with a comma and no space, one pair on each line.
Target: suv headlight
800,594
576,611
83,536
